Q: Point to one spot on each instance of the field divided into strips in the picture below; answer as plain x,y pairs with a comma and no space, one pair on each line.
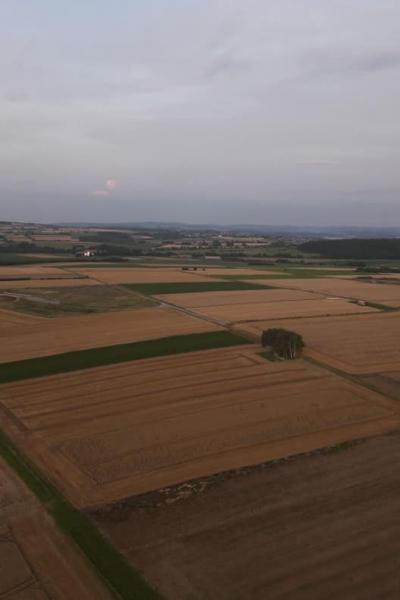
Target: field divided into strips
36,560
118,353
66,334
158,289
113,432
144,275
344,288
359,344
240,306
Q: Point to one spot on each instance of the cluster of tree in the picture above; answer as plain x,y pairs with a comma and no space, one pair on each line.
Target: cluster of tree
106,237
29,247
112,249
285,344
381,269
382,249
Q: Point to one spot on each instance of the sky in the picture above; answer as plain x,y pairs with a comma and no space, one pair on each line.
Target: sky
200,111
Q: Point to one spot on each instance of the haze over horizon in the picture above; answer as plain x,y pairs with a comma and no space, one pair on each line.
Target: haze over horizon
201,111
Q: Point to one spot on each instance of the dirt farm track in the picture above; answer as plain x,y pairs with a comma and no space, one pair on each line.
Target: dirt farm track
113,432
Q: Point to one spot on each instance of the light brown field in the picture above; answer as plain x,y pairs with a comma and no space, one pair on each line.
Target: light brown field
144,275
32,271
345,288
355,344
263,304
205,299
10,320
239,272
283,310
108,433
64,334
321,527
51,283
37,561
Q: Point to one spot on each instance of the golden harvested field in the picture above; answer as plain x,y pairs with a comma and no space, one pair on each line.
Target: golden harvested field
283,310
108,433
10,320
50,283
234,307
144,275
64,334
238,272
321,527
37,561
345,288
200,299
355,344
34,271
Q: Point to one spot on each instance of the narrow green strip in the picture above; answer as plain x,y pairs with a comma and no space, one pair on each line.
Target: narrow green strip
108,355
155,289
119,575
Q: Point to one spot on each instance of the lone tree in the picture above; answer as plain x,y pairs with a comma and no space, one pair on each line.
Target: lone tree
285,344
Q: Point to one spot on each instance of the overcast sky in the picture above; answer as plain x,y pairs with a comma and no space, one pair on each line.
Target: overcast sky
207,111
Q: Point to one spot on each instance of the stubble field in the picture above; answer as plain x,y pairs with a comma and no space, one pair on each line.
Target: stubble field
345,288
112,432
45,337
144,275
359,344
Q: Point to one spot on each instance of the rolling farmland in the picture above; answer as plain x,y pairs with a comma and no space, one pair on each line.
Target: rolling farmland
112,432
153,402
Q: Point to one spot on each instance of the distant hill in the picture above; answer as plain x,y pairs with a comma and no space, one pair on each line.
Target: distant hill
313,231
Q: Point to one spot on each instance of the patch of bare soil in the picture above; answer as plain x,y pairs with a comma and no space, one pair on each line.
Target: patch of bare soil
320,527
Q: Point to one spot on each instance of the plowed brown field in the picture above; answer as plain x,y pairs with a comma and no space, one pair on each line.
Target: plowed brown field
112,432
355,344
37,562
322,527
64,334
144,275
345,288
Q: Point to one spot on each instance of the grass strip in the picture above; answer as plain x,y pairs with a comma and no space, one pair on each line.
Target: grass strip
108,355
119,575
155,289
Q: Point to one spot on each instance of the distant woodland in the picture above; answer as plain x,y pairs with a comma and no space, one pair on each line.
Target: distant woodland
380,249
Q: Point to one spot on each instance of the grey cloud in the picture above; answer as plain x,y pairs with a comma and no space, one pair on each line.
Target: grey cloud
350,62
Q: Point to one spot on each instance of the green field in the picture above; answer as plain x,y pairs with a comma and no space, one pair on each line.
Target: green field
108,355
72,300
155,289
121,578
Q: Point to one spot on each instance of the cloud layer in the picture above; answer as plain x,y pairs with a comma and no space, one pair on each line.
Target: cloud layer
212,111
